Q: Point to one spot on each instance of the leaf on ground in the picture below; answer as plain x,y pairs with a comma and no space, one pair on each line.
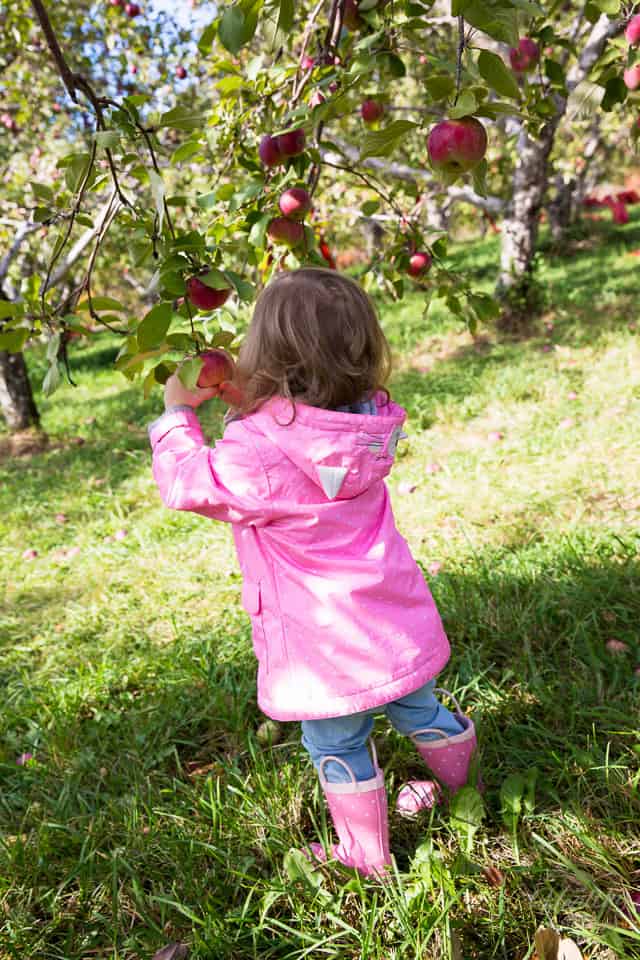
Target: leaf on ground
172,951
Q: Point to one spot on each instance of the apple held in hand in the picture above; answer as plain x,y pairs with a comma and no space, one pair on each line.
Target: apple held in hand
419,263
455,146
217,366
204,297
290,233
295,203
371,110
525,56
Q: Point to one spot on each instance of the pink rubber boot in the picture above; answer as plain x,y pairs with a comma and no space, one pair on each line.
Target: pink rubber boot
359,813
449,758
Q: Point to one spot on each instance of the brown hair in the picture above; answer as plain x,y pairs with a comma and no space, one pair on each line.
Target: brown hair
315,337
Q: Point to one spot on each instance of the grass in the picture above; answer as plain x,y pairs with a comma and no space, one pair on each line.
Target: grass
150,813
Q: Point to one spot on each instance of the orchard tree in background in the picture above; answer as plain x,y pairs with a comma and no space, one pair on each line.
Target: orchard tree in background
196,173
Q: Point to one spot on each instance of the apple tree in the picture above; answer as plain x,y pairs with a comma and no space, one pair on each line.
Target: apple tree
289,122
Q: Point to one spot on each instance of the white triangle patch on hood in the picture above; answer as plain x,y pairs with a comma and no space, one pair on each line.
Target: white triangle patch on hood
331,479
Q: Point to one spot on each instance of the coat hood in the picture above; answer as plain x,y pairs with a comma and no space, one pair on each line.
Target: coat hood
344,454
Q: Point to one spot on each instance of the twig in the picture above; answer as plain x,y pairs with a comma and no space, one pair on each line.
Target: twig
459,57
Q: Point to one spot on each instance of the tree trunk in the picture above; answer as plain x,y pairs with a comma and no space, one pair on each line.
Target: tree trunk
560,209
16,397
517,289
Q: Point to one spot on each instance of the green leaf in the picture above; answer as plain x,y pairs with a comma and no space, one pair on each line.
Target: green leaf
41,214
245,290
610,7
153,327
298,868
189,371
53,346
229,85
379,143
14,340
8,309
206,40
440,86
492,69
615,91
224,338
529,798
76,169
466,814
369,207
163,371
52,379
215,279
42,192
107,138
231,29
185,151
465,107
206,201
479,176
555,72
285,16
511,793
258,231
101,303
495,17
181,118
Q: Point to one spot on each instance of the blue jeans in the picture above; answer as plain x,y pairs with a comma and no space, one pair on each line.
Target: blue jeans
346,737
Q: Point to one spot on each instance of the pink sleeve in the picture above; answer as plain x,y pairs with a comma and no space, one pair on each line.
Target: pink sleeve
224,482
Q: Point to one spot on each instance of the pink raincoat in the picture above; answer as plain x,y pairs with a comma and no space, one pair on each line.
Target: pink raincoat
342,617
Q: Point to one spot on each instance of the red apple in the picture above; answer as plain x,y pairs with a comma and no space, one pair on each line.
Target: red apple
351,19
285,231
419,263
181,72
455,146
117,3
632,33
204,297
316,98
133,68
631,77
307,62
217,366
132,10
295,203
270,152
619,212
371,110
291,143
525,56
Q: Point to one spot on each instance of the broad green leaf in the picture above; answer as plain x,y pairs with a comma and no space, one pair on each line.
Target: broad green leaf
369,207
53,346
189,371
76,171
492,69
207,201
101,303
258,231
298,868
41,214
379,143
229,85
245,290
8,309
153,327
42,191
615,92
181,118
107,138
610,7
52,379
440,86
555,72
511,793
180,341
185,151
206,40
466,815
13,340
164,370
231,29
465,106
224,338
495,17
285,16
215,279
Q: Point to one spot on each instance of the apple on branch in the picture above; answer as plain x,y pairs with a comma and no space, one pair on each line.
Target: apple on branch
456,146
292,143
632,33
295,203
269,151
631,77
419,263
290,233
203,297
371,110
525,56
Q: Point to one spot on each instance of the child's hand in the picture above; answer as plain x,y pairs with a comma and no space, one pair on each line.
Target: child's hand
176,394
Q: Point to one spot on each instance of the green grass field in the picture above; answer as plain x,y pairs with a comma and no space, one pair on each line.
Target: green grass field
150,813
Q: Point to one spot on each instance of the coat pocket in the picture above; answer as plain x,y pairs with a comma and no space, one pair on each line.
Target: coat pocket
252,603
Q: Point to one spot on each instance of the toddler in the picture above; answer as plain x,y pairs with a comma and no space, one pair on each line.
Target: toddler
344,626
